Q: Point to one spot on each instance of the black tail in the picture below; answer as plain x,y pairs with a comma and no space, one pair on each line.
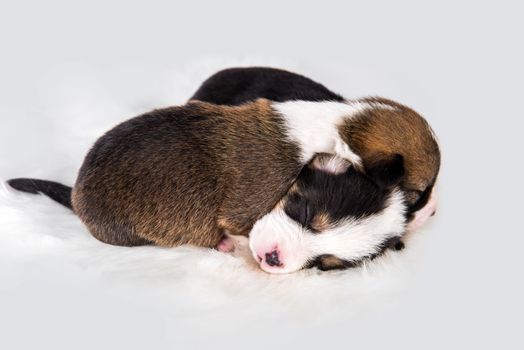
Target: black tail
54,190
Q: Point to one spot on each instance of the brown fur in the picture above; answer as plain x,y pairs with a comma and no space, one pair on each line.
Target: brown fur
400,130
182,175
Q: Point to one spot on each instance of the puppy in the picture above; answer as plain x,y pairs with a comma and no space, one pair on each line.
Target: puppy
325,201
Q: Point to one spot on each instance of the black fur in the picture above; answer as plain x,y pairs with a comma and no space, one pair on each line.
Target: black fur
235,86
347,195
388,171
54,190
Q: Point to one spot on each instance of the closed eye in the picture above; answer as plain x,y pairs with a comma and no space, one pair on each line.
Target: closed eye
299,209
305,217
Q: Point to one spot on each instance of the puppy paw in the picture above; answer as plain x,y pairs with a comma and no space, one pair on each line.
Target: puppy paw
226,245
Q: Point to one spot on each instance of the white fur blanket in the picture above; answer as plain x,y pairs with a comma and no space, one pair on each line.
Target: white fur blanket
61,287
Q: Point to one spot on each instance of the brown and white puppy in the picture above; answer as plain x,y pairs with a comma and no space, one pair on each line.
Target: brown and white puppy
319,222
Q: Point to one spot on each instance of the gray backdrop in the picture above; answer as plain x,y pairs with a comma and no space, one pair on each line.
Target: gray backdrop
457,62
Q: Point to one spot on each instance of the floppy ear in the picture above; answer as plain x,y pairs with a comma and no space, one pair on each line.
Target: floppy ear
386,170
330,164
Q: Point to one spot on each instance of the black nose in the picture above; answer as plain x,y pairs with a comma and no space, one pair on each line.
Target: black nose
272,258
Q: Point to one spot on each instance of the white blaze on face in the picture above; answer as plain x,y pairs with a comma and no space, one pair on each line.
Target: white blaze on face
351,239
277,231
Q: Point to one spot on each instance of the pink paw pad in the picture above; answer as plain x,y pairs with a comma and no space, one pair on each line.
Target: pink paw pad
226,245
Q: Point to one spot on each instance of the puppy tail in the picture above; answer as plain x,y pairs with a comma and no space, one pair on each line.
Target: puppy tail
54,190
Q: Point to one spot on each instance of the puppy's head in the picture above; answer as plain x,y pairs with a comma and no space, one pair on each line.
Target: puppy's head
387,127
333,217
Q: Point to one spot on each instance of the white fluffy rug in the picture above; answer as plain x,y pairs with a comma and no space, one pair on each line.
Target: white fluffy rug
68,289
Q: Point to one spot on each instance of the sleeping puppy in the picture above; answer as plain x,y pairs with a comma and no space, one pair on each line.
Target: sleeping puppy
330,196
